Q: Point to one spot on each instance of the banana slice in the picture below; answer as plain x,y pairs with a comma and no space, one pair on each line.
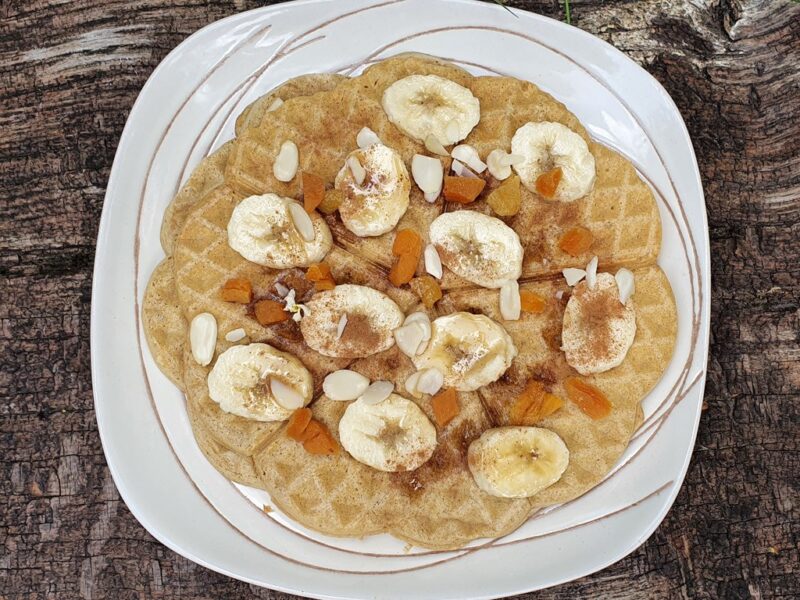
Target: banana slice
393,435
547,145
423,105
469,350
263,230
479,248
517,462
375,184
258,382
371,318
598,329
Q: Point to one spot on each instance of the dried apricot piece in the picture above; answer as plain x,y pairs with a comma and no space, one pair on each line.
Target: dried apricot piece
531,302
406,240
534,404
324,284
428,290
313,191
576,241
321,443
297,423
404,268
312,430
237,290
269,312
547,182
588,398
462,189
318,272
506,199
331,202
445,406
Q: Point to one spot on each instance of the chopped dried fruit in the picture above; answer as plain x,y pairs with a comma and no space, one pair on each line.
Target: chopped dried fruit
320,441
404,268
462,189
313,191
588,398
318,272
269,312
576,241
507,198
406,240
297,423
531,302
445,406
428,290
547,183
534,404
331,202
324,285
312,430
237,290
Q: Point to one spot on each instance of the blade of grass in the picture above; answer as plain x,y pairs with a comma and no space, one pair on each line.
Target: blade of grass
567,15
503,4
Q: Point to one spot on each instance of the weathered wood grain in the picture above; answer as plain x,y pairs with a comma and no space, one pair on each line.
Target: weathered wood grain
69,73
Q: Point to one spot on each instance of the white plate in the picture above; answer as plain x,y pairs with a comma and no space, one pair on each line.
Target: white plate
187,108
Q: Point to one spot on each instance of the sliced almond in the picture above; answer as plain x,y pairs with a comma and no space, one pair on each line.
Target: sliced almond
469,156
573,276
591,273
626,284
203,337
428,174
424,321
366,138
344,385
510,303
281,289
409,338
462,170
433,264
497,166
235,335
430,381
356,168
276,104
432,144
285,166
285,395
412,382
302,221
377,392
341,325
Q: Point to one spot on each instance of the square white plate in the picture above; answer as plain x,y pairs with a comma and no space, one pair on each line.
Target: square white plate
187,109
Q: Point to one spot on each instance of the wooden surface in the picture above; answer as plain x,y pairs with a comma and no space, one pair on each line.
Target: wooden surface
69,73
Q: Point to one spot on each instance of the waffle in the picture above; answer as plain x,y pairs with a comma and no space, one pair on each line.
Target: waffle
438,505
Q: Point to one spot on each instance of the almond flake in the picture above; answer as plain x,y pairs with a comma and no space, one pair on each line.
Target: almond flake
424,321
432,144
433,264
285,395
344,385
340,327
428,174
285,166
203,337
281,289
276,104
302,221
469,156
496,163
409,338
461,170
412,382
366,138
453,132
430,381
626,285
573,276
377,392
591,273
235,335
510,303
358,171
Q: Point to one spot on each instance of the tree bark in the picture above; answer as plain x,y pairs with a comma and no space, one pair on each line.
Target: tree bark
70,72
